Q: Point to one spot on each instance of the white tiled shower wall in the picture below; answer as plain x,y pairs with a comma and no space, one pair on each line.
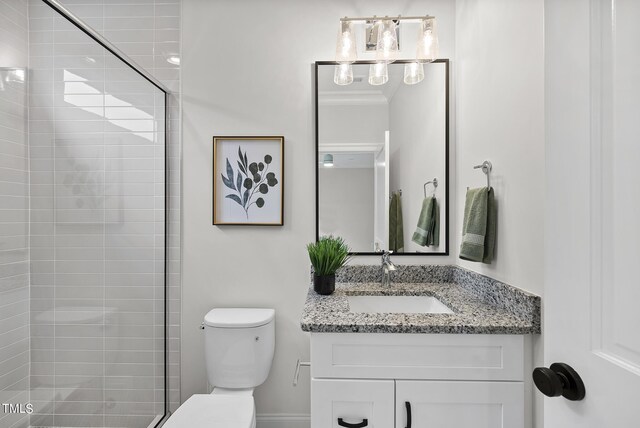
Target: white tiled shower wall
14,211
149,32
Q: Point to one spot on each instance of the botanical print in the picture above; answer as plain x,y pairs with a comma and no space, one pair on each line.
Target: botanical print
250,182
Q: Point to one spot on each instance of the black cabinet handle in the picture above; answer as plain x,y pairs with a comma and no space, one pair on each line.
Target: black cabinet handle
559,379
342,423
408,406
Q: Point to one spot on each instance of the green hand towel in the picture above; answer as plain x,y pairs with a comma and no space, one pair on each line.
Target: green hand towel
396,228
479,226
435,241
428,228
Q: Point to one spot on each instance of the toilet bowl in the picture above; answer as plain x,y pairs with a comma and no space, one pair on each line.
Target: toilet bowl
239,348
214,411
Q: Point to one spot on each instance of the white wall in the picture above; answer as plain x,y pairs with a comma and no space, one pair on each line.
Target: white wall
500,117
417,154
255,76
353,124
346,198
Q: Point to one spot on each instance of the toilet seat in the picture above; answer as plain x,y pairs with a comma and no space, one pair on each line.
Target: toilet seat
214,411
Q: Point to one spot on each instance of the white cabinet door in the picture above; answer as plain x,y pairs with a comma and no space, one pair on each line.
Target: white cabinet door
459,404
339,403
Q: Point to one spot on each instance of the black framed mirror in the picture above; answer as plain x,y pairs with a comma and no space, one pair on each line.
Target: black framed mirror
382,156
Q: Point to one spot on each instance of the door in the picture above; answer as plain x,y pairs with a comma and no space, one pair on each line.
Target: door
592,251
458,404
381,197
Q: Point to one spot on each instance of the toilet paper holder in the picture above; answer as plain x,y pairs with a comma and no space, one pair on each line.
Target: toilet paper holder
296,375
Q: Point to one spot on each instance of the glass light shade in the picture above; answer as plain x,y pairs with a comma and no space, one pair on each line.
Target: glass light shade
346,45
378,73
343,74
413,73
327,161
387,41
428,47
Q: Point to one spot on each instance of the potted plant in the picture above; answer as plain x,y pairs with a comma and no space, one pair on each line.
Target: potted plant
327,256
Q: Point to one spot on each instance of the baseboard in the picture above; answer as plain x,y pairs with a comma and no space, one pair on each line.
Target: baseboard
282,420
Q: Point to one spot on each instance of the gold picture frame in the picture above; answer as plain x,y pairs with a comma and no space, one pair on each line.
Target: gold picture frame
248,180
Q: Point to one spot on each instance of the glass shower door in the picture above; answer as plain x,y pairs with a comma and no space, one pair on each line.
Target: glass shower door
97,182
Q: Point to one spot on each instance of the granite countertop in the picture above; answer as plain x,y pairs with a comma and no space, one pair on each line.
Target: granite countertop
480,304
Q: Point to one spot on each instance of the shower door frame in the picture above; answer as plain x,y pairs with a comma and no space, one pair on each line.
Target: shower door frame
98,38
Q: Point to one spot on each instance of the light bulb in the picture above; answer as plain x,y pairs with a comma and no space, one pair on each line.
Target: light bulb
428,46
378,73
387,44
413,73
346,44
343,74
327,161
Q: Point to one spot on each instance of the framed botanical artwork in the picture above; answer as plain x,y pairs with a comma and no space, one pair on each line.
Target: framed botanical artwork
248,181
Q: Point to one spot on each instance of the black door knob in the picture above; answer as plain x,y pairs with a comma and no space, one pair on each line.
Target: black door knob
559,379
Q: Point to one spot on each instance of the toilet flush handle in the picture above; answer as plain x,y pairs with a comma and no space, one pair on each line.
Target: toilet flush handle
202,326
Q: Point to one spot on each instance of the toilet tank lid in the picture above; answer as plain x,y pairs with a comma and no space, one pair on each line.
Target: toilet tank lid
238,317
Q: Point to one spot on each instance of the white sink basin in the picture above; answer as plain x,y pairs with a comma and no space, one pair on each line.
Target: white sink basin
397,305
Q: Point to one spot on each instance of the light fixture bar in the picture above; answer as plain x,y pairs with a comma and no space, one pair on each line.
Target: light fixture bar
378,18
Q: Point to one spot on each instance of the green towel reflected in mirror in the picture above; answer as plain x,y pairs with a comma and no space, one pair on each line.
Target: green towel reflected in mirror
427,231
396,228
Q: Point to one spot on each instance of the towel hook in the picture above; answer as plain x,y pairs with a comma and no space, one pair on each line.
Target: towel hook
435,186
486,168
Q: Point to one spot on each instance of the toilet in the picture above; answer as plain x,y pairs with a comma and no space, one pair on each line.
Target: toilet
239,347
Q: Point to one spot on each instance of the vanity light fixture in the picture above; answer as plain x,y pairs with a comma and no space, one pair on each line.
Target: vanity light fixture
343,74
378,73
386,48
428,51
387,41
346,46
428,46
327,161
413,73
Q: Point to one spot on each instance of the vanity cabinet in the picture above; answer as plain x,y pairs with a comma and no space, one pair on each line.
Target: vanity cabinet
376,380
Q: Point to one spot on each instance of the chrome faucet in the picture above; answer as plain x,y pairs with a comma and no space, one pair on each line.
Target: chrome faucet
387,268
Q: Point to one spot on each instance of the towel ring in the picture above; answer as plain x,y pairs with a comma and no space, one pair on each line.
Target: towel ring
435,186
486,167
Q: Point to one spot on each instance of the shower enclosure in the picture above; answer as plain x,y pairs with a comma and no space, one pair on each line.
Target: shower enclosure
83,228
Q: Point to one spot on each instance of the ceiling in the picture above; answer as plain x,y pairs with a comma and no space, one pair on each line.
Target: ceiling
360,91
350,160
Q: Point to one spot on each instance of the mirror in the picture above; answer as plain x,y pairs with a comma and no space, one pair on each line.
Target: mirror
382,173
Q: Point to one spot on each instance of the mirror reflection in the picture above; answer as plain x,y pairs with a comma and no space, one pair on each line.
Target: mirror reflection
382,158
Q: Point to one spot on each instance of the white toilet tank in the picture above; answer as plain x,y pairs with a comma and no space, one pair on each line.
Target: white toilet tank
239,346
